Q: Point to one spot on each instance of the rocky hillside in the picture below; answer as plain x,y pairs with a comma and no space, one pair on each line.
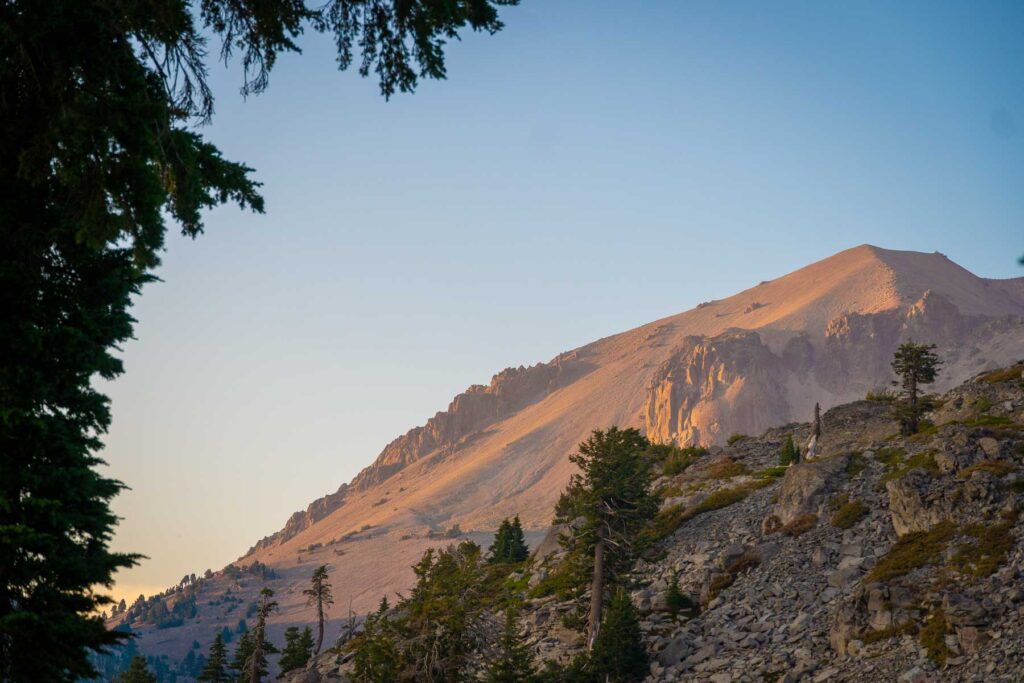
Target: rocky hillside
886,558
761,358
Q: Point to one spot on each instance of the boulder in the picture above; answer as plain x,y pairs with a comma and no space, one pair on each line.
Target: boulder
807,486
915,504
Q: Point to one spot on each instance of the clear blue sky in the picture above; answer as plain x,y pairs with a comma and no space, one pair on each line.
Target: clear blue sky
594,166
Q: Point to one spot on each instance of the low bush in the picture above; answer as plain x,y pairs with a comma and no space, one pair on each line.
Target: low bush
997,468
1004,375
987,549
913,551
933,638
800,525
735,438
849,514
724,469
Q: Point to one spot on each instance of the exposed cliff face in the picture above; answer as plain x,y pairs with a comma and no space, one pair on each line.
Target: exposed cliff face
710,388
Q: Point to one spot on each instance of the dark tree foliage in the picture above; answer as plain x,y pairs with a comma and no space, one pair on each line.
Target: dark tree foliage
790,453
319,594
915,365
376,657
99,150
513,661
431,634
137,672
618,655
298,648
216,668
242,654
509,546
609,501
256,663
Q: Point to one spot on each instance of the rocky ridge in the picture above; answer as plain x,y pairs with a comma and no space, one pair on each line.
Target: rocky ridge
887,558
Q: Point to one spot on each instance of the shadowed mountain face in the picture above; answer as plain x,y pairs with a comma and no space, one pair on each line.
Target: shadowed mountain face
825,333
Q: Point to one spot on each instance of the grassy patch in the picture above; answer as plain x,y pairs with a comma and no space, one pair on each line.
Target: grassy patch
907,628
724,469
913,551
924,461
998,468
771,473
987,549
989,421
734,438
1004,375
667,521
890,457
848,514
800,525
933,637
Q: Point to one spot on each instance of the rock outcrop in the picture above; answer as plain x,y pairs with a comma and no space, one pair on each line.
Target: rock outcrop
710,388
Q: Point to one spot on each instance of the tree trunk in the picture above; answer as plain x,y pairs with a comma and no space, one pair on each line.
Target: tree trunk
596,592
912,426
320,621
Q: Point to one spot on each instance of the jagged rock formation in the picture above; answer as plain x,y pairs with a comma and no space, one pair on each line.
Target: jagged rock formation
763,357
708,386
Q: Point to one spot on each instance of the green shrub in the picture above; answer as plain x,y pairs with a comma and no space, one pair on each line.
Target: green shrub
789,453
735,438
675,600
619,653
667,521
771,473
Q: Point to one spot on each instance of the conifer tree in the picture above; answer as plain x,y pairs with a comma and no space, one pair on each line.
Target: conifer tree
138,672
102,103
509,546
242,654
256,664
216,667
612,495
618,655
518,551
513,662
915,364
498,547
298,647
789,453
675,600
319,594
